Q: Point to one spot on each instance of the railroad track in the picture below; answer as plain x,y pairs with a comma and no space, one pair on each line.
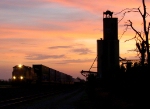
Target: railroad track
5,86
15,101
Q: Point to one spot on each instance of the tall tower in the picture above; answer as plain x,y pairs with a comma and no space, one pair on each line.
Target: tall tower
108,47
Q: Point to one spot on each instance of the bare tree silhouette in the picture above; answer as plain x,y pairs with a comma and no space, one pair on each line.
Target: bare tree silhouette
142,41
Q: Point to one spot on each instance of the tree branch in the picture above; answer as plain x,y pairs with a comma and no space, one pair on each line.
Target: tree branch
128,10
124,31
140,12
130,39
144,16
139,34
148,28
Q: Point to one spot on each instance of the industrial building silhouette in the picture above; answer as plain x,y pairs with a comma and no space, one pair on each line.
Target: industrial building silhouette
108,47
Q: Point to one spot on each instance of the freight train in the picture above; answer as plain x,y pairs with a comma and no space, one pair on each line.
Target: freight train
39,73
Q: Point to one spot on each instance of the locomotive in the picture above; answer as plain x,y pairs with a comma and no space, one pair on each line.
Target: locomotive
39,73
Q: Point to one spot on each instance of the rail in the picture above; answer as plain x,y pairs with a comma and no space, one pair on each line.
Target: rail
12,102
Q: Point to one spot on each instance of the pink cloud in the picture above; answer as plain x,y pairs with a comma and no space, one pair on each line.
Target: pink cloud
97,6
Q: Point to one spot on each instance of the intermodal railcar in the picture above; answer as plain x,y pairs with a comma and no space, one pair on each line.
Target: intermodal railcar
39,73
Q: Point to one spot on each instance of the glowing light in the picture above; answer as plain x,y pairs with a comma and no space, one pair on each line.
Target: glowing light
21,77
14,77
20,65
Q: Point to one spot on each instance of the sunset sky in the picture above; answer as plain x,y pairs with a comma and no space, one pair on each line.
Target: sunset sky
61,34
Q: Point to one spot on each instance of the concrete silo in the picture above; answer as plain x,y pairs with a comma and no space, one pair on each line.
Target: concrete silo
108,47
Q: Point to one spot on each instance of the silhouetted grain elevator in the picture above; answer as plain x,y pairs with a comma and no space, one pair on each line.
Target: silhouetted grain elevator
108,47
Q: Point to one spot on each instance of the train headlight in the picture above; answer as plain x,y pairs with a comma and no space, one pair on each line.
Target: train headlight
14,77
21,77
